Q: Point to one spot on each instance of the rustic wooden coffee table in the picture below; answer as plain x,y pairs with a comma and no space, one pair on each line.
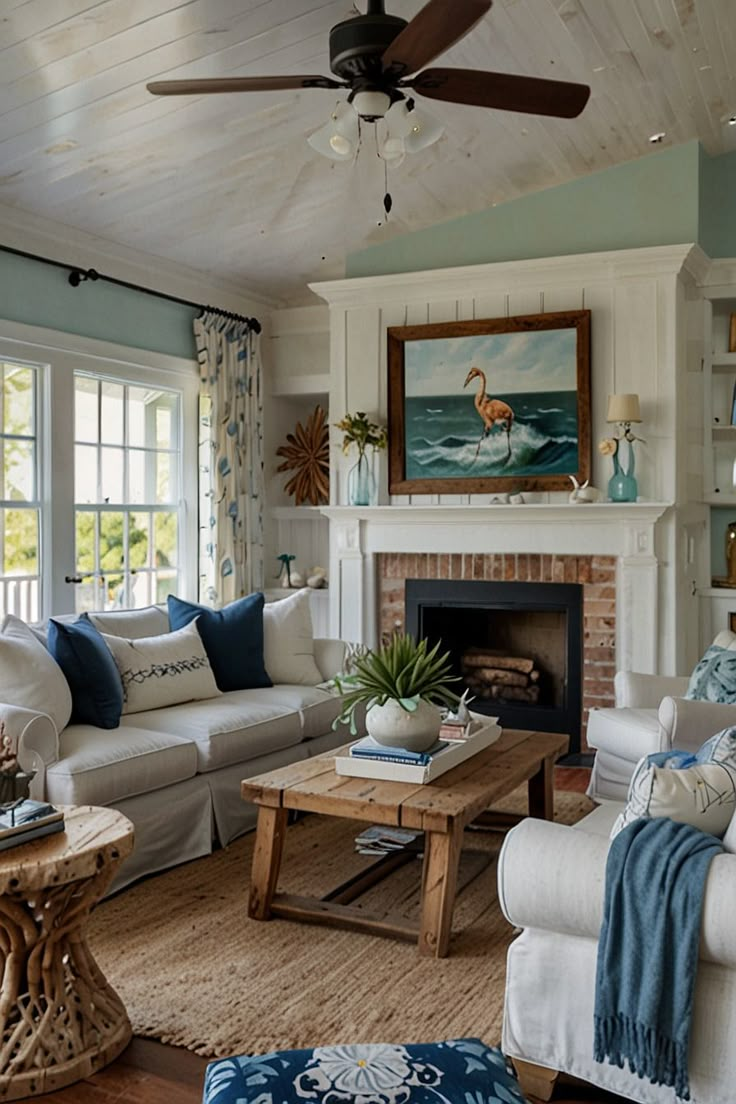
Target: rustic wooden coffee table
441,809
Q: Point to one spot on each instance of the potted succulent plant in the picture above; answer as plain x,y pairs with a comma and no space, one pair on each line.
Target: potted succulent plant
401,686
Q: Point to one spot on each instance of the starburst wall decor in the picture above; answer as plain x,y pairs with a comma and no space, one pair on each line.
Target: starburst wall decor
307,453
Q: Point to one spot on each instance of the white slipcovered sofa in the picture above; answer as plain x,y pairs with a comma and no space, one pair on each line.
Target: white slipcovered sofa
650,715
176,771
551,883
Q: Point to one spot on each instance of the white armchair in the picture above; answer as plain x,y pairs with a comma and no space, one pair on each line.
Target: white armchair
550,884
650,715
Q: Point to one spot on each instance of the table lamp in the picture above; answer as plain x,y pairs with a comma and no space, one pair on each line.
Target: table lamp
624,411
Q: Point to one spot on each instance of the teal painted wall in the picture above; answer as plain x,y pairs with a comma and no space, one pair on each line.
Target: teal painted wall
717,204
41,295
651,201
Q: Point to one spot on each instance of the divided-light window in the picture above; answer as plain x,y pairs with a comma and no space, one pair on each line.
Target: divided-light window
19,497
127,461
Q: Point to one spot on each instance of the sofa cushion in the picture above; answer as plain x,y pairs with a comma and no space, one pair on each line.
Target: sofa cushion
162,670
232,637
29,676
90,670
628,733
97,768
133,623
233,728
288,640
317,708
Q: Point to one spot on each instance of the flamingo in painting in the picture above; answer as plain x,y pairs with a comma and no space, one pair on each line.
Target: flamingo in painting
494,412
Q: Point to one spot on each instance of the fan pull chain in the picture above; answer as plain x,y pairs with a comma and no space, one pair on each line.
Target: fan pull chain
387,200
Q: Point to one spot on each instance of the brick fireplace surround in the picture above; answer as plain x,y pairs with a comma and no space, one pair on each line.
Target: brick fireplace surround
596,574
611,549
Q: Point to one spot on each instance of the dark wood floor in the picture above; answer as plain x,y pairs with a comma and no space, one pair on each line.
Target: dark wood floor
149,1072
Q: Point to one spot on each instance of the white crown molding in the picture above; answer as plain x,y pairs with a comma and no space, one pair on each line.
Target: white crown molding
721,273
469,280
20,229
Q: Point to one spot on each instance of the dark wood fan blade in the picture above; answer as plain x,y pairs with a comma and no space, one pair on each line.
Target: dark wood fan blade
505,91
238,84
432,31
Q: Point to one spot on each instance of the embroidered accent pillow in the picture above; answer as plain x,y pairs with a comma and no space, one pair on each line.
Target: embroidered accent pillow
674,784
288,640
461,1071
714,678
29,676
162,670
94,680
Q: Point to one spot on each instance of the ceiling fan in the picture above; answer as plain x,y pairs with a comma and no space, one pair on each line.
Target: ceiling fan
374,55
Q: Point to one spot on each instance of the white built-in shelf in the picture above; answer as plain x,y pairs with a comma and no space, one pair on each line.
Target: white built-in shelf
718,592
725,434
296,513
721,499
316,386
724,363
317,594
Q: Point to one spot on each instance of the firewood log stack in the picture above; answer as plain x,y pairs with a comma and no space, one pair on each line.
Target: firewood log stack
493,674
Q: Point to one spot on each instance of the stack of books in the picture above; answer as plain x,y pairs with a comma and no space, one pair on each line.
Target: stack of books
28,820
382,840
369,759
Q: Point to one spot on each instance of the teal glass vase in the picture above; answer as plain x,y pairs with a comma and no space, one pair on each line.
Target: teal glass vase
622,484
362,483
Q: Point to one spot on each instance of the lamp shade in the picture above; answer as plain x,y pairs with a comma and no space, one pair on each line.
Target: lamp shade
623,408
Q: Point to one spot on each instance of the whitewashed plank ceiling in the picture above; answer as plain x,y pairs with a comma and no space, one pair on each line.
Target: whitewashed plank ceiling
228,185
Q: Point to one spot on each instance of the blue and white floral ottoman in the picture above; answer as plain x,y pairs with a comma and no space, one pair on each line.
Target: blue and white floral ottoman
460,1071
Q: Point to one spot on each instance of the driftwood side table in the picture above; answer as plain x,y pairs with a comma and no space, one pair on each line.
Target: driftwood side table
60,1020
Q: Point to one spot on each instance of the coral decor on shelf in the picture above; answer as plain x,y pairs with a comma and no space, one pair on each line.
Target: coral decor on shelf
307,453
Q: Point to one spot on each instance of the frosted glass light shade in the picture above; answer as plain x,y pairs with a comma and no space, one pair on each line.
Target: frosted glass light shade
371,105
623,408
425,130
338,138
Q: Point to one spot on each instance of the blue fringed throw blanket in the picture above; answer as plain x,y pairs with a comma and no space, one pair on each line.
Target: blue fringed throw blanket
648,948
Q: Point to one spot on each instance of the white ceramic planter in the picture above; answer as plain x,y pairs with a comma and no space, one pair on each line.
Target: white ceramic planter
394,726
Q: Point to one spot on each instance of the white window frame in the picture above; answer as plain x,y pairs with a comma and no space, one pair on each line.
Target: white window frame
24,607
58,355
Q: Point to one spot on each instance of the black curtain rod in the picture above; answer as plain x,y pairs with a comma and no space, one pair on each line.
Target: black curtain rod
78,276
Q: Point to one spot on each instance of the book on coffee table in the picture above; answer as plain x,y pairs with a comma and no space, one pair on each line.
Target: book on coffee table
28,820
451,754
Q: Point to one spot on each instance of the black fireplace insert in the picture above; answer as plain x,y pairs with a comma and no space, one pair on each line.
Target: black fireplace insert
518,647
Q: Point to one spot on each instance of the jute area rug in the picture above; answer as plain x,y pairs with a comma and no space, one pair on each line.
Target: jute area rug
195,972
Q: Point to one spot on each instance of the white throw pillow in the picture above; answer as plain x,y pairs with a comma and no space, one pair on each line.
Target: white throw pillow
163,670
703,795
132,624
29,676
288,641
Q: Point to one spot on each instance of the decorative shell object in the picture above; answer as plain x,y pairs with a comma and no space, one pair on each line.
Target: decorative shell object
307,453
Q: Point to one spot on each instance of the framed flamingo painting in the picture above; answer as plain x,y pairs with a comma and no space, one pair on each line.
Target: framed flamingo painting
498,405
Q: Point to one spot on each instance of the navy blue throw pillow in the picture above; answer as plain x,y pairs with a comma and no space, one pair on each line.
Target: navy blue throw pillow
232,638
90,670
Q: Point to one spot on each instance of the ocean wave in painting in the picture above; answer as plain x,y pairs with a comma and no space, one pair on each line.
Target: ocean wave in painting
544,438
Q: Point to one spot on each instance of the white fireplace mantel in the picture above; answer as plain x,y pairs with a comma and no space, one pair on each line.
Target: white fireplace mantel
623,530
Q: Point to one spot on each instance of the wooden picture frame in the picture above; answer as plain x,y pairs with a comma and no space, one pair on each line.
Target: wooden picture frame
524,424
732,621
732,334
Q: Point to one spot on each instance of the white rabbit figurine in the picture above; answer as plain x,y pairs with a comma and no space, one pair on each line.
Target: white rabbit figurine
582,493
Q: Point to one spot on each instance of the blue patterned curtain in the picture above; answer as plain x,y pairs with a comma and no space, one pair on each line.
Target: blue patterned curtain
230,459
